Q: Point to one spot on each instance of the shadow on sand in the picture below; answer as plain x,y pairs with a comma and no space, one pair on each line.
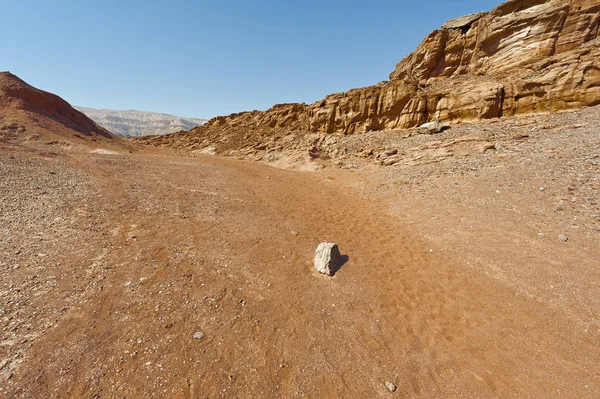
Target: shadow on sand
343,259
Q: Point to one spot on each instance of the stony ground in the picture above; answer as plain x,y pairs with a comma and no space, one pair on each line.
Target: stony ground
174,274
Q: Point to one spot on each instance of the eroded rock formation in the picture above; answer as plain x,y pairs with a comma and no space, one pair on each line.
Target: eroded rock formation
524,56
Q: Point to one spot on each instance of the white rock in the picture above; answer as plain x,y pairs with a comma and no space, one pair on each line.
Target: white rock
434,127
390,386
327,257
563,238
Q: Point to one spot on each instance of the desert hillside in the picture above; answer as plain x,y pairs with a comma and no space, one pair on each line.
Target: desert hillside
132,123
27,113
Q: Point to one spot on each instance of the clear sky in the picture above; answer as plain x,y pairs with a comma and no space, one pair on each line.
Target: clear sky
209,58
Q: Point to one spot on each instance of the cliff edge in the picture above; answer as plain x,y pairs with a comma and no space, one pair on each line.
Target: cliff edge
525,56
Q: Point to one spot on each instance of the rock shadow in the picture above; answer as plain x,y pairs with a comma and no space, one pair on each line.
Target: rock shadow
342,260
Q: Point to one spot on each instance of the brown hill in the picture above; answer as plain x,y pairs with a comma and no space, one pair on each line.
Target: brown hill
28,113
525,56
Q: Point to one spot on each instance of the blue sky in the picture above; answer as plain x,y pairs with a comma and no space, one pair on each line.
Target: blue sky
208,58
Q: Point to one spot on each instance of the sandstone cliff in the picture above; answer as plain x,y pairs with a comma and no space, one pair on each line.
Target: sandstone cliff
524,56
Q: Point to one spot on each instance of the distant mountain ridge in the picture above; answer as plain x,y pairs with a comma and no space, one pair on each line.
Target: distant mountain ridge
132,123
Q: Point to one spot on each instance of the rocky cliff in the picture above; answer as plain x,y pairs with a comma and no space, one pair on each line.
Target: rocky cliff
134,123
524,56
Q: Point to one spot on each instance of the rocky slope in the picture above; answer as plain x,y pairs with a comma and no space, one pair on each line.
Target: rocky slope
140,123
525,56
27,113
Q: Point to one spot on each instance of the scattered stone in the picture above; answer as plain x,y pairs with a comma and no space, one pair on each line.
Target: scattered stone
390,152
327,257
542,188
390,161
434,127
261,146
520,136
390,386
6,376
294,233
317,153
210,150
541,235
18,252
487,146
366,153
563,238
198,335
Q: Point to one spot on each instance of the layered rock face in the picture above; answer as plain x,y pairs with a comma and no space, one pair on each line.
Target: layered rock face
524,56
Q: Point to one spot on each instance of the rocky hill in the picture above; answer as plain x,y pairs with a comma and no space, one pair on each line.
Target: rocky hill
28,113
525,56
133,123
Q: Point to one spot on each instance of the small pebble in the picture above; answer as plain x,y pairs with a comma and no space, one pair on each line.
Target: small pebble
542,188
390,386
541,235
198,335
563,238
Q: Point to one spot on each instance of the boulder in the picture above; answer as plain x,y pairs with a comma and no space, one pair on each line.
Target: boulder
327,258
433,127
